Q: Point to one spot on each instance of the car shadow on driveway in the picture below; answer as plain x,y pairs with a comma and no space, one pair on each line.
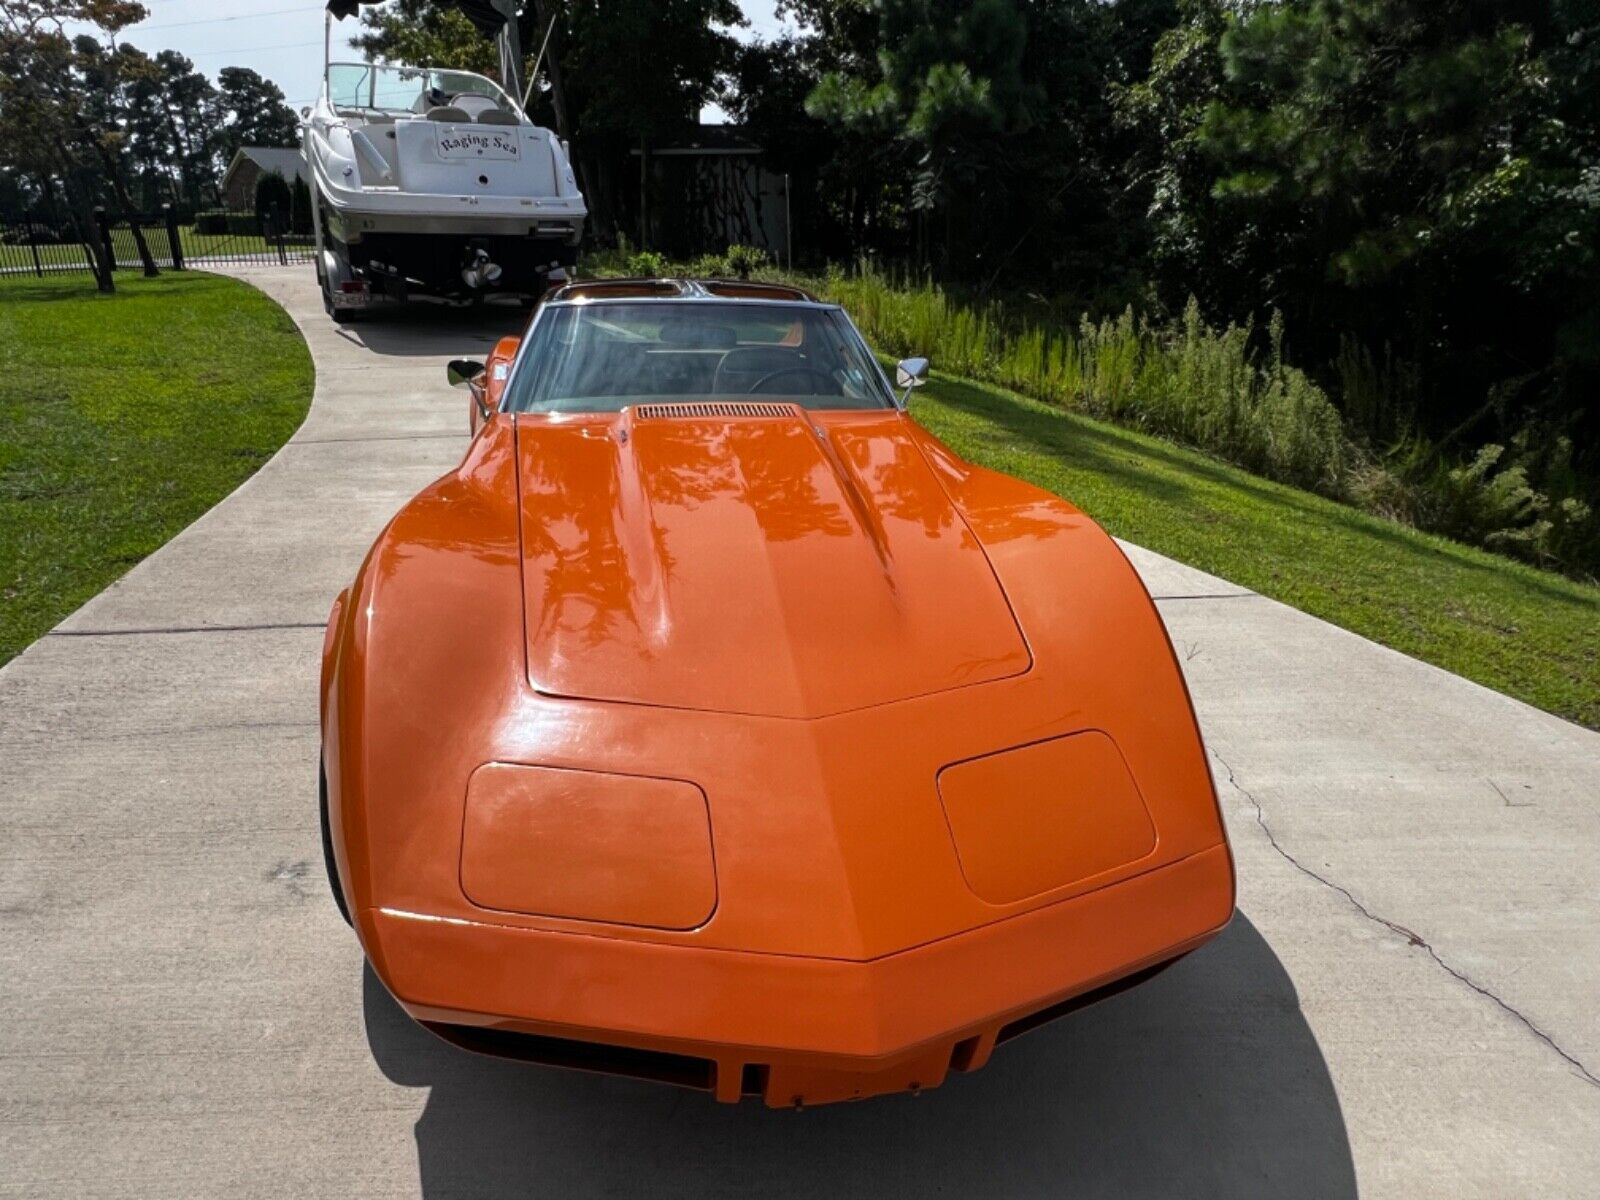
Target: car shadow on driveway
1205,1082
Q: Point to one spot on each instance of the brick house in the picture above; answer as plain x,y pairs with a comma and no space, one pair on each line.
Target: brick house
250,163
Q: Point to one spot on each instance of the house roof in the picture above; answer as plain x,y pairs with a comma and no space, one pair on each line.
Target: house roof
285,160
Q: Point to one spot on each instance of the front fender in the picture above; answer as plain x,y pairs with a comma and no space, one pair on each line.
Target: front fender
424,661
1098,640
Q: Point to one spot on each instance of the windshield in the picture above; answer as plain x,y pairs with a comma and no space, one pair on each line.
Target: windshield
604,357
405,89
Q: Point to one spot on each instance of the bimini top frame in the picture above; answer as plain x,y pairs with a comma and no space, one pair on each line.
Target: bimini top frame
492,18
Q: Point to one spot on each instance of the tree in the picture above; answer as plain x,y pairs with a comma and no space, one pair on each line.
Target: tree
425,33
252,112
947,84
172,130
107,72
300,206
1192,248
1002,116
57,118
1420,172
848,186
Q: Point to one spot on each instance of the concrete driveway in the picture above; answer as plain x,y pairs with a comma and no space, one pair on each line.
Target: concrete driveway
1408,1003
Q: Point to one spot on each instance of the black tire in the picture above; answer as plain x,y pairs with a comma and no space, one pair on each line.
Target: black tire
327,844
341,316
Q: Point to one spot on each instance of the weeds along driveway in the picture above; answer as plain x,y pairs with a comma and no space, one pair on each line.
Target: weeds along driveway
1405,1005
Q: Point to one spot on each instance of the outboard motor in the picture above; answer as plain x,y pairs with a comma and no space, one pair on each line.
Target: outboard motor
480,271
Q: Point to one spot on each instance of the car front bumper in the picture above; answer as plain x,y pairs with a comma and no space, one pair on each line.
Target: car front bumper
796,1030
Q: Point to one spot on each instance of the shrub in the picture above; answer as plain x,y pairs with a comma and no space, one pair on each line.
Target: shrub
645,263
300,207
273,196
219,221
1491,500
745,261
709,266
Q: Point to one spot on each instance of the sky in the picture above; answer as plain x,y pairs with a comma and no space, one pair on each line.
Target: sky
282,39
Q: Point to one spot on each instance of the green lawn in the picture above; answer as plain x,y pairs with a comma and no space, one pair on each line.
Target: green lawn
122,419
1522,631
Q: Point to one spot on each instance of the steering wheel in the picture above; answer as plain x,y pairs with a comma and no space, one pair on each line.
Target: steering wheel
827,380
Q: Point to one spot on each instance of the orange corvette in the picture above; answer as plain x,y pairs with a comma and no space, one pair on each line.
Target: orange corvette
713,723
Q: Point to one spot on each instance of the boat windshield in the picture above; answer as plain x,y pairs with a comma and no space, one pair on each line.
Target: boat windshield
603,357
406,89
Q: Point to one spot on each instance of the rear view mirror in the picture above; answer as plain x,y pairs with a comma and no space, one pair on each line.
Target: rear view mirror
910,373
461,371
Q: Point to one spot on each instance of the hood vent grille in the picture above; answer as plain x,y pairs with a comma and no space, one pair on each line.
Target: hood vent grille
711,408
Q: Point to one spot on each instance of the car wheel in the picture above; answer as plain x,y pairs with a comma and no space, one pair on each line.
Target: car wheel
327,844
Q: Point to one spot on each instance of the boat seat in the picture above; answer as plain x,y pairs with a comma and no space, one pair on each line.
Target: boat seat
448,113
496,116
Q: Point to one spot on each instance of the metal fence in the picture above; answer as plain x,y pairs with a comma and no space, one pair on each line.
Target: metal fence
219,236
172,243
37,248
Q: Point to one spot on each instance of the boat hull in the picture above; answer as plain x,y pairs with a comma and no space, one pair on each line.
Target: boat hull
402,210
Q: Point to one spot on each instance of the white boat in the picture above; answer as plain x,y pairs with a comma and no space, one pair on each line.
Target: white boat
434,182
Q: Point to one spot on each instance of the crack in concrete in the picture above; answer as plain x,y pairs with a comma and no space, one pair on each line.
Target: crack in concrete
1412,937
171,629
1505,799
1212,596
396,437
14,744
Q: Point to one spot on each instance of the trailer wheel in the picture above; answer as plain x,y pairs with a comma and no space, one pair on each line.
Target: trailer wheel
326,246
341,316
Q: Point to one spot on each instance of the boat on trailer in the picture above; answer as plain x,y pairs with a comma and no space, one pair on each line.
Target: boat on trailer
435,182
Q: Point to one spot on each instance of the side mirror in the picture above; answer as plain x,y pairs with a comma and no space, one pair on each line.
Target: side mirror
462,371
910,373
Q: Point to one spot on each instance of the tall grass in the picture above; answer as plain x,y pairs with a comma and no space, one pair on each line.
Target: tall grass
1193,382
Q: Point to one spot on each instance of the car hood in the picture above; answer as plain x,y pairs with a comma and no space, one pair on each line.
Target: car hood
786,564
